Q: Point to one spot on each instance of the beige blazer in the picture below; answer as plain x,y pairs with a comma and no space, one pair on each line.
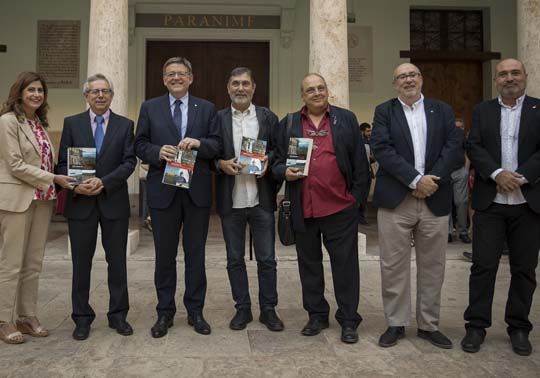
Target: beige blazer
20,165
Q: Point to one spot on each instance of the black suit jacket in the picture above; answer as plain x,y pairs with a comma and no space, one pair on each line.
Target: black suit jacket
115,163
350,155
156,128
267,186
484,150
392,146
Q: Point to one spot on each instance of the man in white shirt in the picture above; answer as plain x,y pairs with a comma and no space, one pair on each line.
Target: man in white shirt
417,147
248,199
504,148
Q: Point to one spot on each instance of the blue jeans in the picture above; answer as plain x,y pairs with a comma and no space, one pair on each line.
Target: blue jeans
262,227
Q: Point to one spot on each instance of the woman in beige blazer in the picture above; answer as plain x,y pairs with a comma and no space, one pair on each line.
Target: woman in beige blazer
26,202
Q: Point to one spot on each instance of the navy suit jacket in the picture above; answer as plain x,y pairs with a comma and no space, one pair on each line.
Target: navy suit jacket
484,150
156,128
115,163
350,156
267,186
392,146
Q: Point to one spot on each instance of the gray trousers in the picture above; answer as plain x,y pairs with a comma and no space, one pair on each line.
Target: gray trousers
412,217
460,185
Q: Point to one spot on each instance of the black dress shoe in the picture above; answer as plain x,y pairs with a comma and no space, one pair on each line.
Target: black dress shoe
161,327
391,336
474,337
520,342
465,238
450,239
81,331
199,324
349,335
467,256
436,338
314,327
270,319
240,320
122,327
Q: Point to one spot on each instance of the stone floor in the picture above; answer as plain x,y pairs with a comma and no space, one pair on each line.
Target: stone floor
254,352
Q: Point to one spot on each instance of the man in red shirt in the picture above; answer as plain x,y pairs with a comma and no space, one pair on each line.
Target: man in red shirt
324,204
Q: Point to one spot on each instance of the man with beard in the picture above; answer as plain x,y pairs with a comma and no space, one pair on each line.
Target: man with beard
324,204
504,148
248,199
414,139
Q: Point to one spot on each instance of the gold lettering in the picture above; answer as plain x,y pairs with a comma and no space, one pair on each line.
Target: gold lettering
204,22
191,22
250,21
235,22
179,21
167,19
217,21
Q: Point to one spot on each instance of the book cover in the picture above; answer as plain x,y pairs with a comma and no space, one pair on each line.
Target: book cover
81,163
179,171
299,154
252,155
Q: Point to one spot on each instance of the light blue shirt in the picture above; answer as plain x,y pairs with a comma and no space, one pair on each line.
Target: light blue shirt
183,108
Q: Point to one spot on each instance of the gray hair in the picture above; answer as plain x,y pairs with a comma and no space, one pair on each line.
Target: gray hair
312,74
96,77
177,60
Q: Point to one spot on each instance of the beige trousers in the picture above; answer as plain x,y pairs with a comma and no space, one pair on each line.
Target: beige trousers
412,217
21,257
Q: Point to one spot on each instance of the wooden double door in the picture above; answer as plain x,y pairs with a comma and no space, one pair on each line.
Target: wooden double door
212,63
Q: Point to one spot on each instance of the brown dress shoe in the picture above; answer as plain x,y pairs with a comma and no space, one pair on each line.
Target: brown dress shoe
30,325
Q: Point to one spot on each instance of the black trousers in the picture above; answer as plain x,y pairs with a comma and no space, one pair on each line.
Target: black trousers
520,226
183,215
83,237
339,233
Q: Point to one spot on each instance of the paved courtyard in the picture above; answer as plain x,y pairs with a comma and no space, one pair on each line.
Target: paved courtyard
255,351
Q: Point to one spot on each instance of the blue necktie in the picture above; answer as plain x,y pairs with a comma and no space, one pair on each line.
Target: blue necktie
177,117
99,134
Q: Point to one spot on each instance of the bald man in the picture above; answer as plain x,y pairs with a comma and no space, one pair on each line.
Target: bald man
504,148
416,143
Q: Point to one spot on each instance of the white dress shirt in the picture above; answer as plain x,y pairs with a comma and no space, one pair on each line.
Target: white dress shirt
510,118
245,193
416,120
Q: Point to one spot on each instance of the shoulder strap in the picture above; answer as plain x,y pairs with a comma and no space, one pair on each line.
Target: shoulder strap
289,124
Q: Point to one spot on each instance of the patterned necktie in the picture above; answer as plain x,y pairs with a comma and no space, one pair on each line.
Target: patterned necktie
177,117
99,134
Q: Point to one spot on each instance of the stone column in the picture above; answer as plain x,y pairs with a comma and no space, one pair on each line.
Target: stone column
328,53
108,47
528,41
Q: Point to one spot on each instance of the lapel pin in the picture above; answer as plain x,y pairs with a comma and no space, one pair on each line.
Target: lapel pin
534,106
195,105
431,111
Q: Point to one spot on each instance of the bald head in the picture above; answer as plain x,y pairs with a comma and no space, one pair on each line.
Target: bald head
509,62
408,83
405,68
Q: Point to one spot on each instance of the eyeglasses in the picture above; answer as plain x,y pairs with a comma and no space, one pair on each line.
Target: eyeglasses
97,92
312,90
173,74
410,75
321,133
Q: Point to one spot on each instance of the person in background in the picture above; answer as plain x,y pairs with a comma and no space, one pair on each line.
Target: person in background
366,133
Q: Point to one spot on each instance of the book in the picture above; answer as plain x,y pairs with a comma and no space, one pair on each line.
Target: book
299,154
81,163
252,153
179,172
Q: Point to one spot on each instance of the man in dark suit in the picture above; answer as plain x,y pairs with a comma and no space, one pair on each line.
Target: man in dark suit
248,199
324,204
504,148
102,200
414,140
178,120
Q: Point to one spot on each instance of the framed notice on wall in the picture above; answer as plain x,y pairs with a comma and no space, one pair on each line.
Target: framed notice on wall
360,42
58,52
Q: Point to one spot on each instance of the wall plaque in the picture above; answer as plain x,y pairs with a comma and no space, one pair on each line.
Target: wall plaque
58,48
360,41
216,21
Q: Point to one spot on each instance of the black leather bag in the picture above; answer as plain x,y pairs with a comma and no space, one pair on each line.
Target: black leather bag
285,228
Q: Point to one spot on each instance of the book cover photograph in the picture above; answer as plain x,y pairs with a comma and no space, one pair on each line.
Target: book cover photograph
252,155
179,171
299,154
81,163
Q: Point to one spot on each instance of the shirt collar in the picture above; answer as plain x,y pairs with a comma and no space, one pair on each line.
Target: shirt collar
519,101
304,110
106,116
249,110
172,99
415,105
